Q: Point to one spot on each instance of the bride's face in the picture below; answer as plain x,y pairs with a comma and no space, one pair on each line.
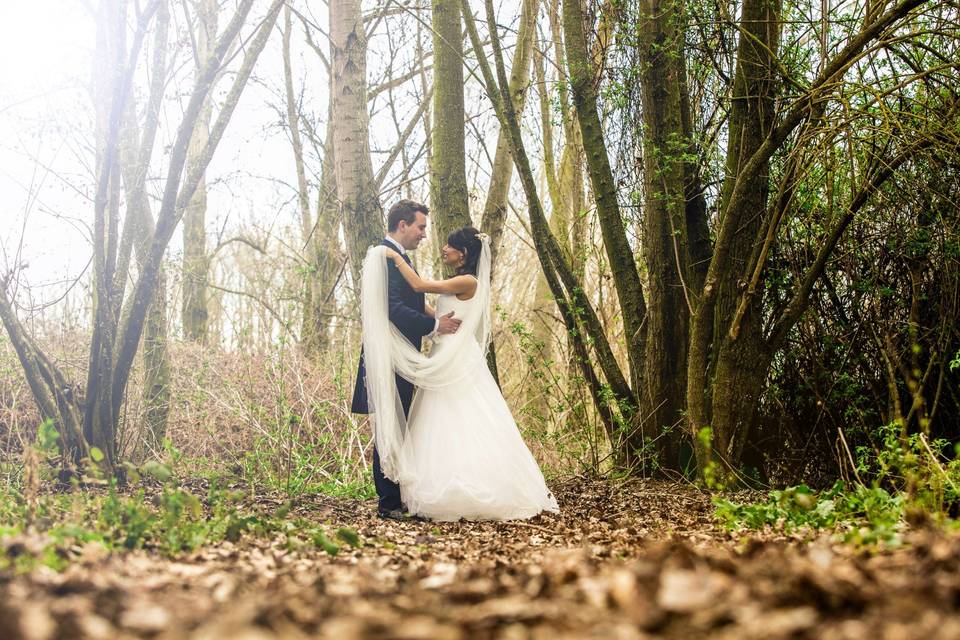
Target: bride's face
451,257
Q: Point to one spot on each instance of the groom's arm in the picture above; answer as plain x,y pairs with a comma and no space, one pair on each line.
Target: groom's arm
405,317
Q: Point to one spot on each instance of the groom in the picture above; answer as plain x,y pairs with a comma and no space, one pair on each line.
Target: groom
406,227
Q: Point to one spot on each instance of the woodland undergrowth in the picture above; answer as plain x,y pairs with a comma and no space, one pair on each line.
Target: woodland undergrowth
249,437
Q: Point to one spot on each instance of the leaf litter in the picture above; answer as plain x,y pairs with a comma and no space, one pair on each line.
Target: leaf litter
636,559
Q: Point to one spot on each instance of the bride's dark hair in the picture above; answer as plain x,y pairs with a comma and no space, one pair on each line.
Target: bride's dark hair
466,241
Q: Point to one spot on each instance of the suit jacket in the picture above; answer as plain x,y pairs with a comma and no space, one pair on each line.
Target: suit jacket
406,309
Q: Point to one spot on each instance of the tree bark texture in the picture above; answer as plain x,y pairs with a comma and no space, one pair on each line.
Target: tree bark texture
449,202
196,263
644,338
665,237
359,201
742,362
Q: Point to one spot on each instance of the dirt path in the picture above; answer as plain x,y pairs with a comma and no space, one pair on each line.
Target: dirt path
639,560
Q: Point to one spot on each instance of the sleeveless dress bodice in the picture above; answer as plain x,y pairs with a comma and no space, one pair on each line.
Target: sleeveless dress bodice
462,309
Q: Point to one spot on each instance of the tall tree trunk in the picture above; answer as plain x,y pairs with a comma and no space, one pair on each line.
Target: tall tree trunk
664,224
450,207
135,155
100,413
195,260
612,397
359,201
309,337
643,336
742,362
570,174
501,174
325,246
565,186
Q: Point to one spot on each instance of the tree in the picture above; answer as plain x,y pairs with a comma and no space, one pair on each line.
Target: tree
579,317
136,150
349,120
195,260
88,423
723,398
449,203
501,173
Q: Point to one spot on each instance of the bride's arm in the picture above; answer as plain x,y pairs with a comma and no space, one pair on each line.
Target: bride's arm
430,311
456,285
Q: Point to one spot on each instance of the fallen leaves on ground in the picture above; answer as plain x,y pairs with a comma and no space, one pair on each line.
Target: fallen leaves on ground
641,559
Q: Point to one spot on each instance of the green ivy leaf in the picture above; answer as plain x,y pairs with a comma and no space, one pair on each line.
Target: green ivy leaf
349,536
321,540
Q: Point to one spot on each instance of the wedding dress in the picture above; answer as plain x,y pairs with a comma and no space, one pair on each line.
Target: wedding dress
463,455
460,454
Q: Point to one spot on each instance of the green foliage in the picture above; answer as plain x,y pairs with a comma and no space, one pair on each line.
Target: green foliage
909,478
157,514
916,466
48,438
349,536
859,514
173,522
711,475
556,415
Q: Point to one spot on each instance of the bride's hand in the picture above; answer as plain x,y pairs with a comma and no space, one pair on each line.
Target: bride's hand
391,254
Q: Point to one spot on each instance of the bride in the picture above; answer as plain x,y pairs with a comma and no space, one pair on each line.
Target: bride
460,454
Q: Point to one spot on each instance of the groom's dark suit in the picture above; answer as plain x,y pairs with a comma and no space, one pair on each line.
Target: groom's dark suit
407,313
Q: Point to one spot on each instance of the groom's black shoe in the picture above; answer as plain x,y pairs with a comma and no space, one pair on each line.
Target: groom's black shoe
401,515
394,514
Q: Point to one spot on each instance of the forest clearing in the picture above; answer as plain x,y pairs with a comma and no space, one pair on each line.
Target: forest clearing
643,559
472,319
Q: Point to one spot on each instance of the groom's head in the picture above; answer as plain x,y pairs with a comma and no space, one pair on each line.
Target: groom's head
407,223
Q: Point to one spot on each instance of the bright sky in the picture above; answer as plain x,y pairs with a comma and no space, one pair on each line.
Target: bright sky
46,135
45,48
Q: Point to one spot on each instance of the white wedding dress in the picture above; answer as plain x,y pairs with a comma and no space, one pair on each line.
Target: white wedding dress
463,456
459,454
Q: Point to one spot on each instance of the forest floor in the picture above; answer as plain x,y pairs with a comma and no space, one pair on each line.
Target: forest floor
640,559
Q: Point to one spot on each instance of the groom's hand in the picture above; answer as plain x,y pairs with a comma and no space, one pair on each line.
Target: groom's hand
448,324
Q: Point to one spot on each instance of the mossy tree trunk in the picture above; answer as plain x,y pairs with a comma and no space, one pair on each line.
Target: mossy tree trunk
645,338
565,189
741,363
501,173
450,205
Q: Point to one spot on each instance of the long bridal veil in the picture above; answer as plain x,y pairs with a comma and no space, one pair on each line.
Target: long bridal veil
386,353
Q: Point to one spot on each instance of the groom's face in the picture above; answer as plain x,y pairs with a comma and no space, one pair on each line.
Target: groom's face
410,235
